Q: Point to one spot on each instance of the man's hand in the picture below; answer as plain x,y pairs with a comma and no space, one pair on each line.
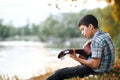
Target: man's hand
73,55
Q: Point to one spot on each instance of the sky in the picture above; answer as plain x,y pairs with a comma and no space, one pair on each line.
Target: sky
20,12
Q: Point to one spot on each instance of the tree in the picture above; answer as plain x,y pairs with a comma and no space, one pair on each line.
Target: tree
110,25
116,10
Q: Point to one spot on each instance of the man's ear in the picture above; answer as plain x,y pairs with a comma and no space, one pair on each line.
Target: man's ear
91,26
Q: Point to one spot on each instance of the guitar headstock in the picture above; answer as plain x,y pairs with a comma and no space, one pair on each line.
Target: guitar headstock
63,53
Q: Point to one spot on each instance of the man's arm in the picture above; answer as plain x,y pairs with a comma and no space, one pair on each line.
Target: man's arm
94,63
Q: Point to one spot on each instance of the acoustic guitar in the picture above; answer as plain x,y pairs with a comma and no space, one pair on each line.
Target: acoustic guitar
83,53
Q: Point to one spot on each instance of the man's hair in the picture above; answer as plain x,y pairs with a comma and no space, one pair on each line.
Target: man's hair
88,19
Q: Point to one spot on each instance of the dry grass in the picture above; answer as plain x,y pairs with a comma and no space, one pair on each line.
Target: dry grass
113,75
42,77
6,77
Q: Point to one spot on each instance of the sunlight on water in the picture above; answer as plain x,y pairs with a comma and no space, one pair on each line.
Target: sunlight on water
27,59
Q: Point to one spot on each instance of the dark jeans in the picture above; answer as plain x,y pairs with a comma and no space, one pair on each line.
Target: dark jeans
70,72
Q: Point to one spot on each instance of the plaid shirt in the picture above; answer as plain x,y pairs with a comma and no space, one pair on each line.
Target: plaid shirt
102,47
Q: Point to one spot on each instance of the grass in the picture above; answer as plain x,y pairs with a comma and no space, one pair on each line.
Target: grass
113,75
41,77
6,77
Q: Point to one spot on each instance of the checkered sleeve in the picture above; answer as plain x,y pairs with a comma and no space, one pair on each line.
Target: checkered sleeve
96,49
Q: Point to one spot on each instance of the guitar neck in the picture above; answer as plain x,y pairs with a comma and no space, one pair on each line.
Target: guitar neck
79,51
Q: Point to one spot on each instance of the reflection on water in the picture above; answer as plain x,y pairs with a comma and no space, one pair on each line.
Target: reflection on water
27,59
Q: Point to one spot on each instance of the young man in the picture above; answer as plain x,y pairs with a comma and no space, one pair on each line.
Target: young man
102,49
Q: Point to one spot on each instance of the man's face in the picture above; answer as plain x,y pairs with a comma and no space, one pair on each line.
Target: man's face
86,31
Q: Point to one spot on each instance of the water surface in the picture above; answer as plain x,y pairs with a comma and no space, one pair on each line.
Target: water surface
27,59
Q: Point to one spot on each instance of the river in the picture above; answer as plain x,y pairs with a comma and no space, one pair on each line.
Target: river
27,59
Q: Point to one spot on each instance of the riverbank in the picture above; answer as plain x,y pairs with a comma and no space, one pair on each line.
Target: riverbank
113,75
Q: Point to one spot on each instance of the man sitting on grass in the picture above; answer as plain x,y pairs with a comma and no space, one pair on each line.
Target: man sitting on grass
103,54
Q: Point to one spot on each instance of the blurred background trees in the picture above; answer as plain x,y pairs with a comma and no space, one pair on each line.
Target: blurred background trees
64,26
